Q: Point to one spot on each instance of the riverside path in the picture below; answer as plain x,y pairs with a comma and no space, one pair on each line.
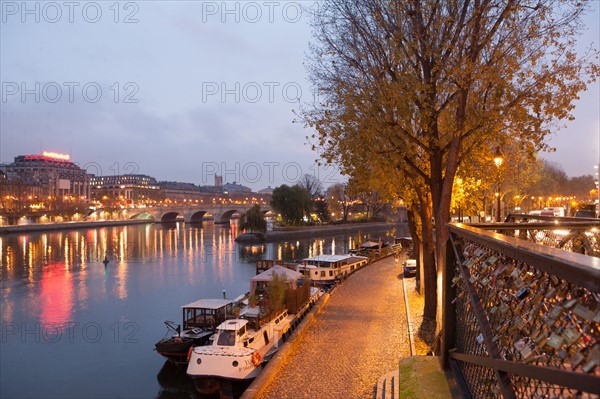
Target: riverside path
359,336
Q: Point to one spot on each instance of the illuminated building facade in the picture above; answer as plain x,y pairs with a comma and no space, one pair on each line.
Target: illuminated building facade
183,192
126,189
51,175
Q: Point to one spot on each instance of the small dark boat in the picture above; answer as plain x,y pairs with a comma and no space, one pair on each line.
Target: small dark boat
200,319
176,348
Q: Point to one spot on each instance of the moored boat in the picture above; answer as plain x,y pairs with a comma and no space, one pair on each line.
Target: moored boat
239,347
372,248
329,269
200,319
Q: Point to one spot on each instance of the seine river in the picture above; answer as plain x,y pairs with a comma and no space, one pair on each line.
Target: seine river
74,328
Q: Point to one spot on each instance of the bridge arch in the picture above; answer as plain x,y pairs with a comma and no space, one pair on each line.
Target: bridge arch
143,215
196,217
225,216
169,217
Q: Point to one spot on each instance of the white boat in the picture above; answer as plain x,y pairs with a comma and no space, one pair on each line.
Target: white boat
239,347
328,269
242,344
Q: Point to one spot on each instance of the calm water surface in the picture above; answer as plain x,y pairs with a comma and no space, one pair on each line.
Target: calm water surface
73,328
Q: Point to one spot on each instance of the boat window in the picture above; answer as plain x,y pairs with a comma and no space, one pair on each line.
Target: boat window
242,331
226,338
323,273
331,273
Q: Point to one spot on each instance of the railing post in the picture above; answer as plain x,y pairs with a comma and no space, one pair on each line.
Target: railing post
448,312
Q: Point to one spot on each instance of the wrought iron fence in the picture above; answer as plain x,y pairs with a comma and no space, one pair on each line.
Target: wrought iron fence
520,320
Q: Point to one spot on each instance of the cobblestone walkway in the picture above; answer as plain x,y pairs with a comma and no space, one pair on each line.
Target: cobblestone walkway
360,335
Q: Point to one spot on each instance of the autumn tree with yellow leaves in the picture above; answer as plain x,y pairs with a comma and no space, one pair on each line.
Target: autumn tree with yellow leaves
410,90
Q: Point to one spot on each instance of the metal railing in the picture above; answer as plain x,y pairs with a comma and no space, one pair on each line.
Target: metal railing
520,320
580,235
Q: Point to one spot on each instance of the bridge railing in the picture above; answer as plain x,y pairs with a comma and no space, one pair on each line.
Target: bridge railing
580,235
520,320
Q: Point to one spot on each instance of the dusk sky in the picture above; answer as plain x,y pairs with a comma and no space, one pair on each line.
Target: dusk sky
181,90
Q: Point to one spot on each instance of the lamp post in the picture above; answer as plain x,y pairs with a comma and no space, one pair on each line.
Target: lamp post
498,159
597,181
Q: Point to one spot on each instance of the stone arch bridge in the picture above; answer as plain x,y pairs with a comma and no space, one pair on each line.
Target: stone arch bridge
193,213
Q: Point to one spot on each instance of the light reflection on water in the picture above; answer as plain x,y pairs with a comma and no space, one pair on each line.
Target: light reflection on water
83,329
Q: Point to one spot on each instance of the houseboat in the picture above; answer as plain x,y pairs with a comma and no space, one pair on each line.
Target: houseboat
372,248
328,269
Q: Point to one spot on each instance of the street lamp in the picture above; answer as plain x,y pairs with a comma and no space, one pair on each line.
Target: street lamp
498,159
597,181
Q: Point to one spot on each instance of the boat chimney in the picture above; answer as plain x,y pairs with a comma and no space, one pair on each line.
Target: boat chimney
224,294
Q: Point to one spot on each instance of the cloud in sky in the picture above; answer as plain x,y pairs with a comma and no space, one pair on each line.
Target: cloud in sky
175,88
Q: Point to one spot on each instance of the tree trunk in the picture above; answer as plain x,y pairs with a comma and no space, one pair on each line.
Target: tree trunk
429,267
412,214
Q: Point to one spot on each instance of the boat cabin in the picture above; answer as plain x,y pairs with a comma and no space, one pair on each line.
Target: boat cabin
260,283
307,270
206,313
328,261
231,332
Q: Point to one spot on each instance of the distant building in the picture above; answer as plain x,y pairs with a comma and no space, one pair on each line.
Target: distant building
18,194
268,191
49,175
218,181
126,189
184,192
117,180
235,188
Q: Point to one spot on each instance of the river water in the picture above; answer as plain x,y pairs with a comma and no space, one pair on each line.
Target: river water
74,328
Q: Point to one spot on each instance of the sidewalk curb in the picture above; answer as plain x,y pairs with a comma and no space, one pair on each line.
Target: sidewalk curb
411,339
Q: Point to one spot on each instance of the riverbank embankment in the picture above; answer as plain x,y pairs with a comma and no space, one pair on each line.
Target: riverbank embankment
271,236
29,228
323,230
